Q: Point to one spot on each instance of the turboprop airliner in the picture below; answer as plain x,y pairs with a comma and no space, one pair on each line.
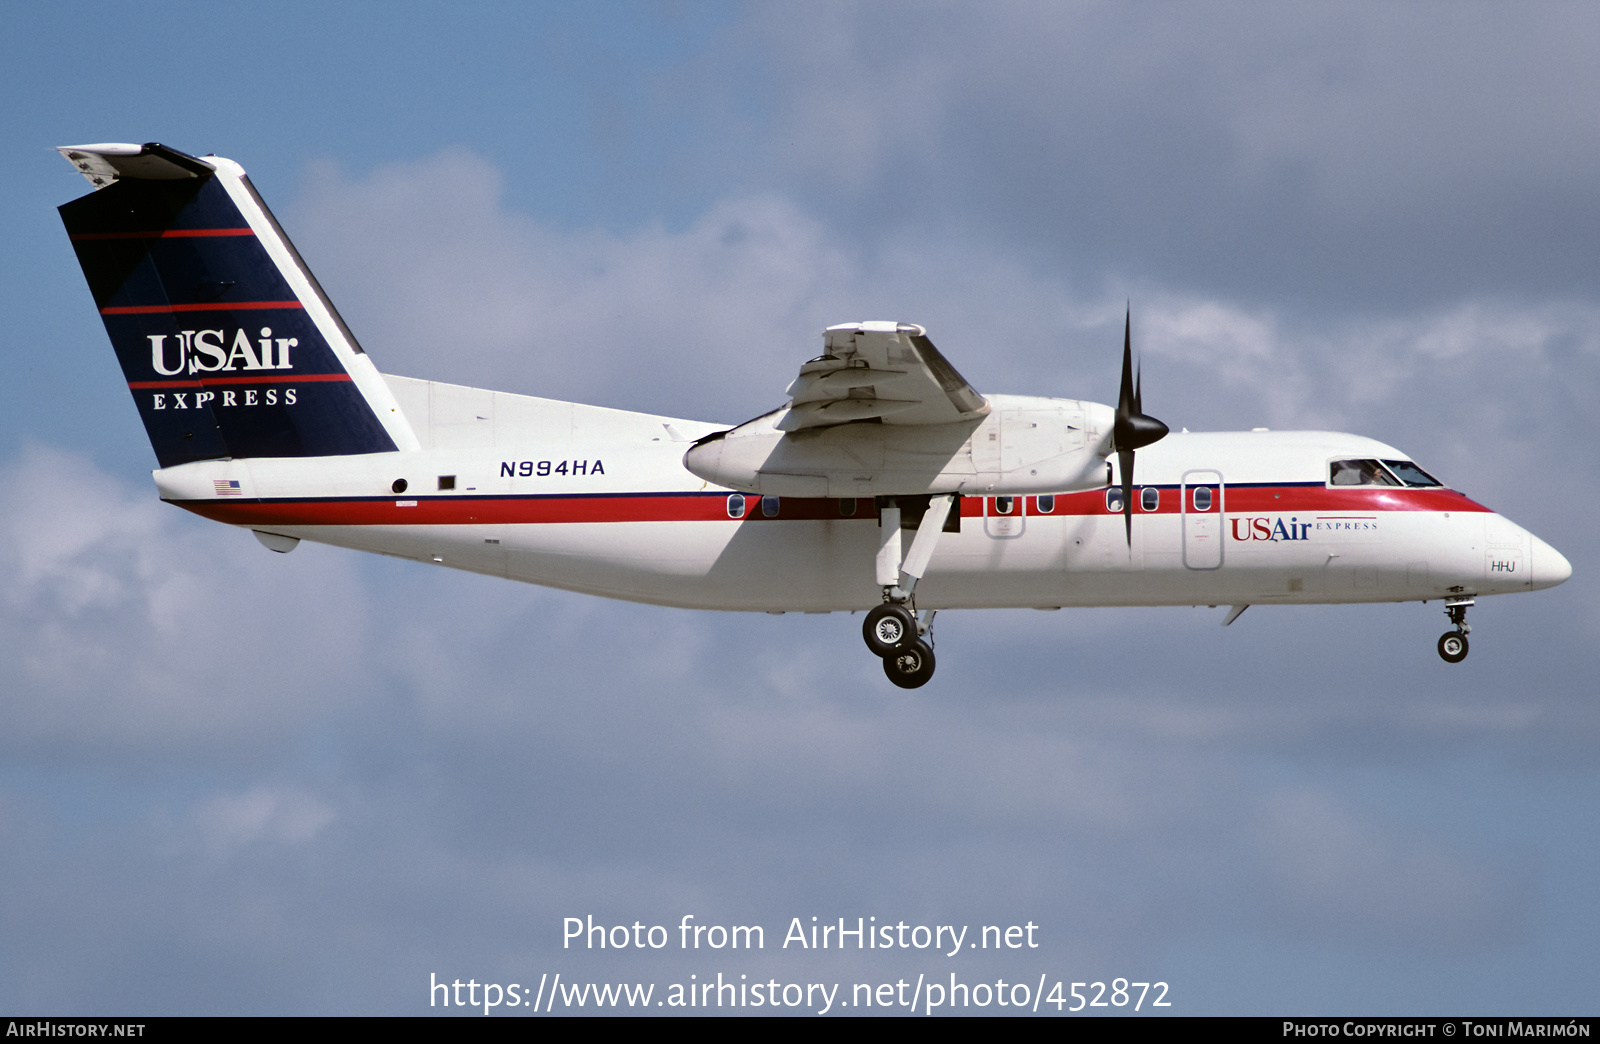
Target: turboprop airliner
886,484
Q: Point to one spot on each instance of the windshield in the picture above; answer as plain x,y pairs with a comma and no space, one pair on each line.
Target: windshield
1378,473
1360,473
1410,474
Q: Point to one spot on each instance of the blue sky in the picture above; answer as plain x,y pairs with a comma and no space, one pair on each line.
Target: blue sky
238,782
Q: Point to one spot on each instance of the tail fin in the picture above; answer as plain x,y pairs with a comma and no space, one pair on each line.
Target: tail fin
228,344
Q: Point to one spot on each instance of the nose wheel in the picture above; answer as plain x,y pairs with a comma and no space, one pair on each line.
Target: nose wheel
1452,647
1453,644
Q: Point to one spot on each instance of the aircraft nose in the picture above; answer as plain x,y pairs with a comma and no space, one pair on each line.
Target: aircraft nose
1550,567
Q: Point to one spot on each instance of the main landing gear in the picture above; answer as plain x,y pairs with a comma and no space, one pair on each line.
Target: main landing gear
894,631
1453,644
900,637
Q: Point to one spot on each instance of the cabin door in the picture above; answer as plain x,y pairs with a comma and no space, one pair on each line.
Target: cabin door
1003,516
1203,519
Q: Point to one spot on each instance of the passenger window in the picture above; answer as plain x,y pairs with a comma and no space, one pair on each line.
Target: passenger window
1202,498
1114,501
769,506
847,506
735,505
1047,505
1360,473
1003,505
1150,498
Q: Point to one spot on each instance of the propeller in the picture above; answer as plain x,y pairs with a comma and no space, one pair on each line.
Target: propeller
1133,429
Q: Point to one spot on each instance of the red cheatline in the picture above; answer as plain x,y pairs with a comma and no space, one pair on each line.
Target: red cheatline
282,378
208,306
642,507
169,233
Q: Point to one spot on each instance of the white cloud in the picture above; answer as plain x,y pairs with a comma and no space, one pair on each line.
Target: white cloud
124,626
283,815
442,279
1375,107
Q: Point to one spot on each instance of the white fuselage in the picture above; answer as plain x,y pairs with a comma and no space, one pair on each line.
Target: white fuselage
599,501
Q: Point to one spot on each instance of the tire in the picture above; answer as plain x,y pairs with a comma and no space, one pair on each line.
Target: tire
911,665
887,628
1452,647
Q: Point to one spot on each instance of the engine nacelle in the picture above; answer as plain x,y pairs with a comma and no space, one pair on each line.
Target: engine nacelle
1024,445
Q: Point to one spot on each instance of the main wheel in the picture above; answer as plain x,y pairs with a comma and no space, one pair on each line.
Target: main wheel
888,627
911,665
1453,646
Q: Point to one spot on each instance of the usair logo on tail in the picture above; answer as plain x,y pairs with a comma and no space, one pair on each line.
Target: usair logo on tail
205,351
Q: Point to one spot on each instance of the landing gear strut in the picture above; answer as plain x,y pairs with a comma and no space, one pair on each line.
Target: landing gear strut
894,631
1453,644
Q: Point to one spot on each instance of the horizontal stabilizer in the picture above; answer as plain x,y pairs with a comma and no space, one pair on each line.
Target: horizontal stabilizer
107,163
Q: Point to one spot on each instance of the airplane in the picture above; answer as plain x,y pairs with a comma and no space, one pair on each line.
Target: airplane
885,484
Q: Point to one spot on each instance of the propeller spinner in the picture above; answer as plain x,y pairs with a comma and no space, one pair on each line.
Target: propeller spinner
1133,429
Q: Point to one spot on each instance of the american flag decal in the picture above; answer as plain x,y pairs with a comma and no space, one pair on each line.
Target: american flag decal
226,487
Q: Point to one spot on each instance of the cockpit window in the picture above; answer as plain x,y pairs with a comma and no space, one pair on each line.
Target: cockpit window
1360,473
1410,474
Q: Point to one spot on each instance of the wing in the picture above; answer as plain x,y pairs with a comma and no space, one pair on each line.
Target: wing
879,371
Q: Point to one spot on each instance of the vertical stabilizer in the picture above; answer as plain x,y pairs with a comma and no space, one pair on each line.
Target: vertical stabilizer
227,342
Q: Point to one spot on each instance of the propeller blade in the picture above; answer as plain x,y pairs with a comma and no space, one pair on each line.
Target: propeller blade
1125,407
1125,464
1134,429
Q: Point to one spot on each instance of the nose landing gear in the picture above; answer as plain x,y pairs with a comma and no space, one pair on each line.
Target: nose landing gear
1453,644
